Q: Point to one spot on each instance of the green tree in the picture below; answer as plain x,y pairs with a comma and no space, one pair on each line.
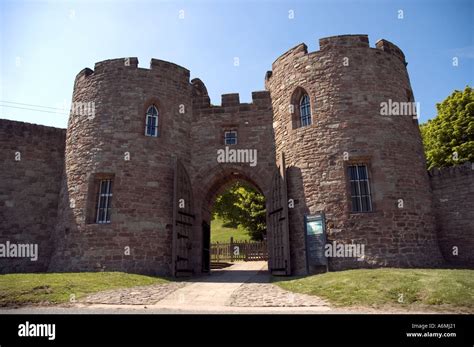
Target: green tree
242,205
253,214
225,207
448,138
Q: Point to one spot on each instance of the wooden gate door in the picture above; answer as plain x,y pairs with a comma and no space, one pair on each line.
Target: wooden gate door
206,247
183,221
277,221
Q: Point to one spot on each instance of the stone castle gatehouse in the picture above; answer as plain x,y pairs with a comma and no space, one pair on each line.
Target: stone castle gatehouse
130,184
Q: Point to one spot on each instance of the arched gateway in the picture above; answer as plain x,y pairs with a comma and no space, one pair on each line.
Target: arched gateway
142,171
189,240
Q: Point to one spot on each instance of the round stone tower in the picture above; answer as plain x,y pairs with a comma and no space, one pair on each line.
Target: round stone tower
343,117
111,162
355,131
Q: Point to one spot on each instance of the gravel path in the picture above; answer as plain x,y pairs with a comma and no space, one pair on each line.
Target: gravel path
269,295
146,295
244,284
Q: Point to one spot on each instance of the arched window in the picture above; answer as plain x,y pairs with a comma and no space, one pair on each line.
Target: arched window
151,125
305,110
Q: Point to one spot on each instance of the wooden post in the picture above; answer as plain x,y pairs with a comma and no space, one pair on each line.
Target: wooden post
246,251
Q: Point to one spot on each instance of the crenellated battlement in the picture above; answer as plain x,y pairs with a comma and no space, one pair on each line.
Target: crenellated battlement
161,67
390,48
201,99
295,52
358,41
231,101
338,43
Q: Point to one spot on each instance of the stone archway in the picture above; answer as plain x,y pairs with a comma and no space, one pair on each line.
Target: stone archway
222,181
270,181
216,184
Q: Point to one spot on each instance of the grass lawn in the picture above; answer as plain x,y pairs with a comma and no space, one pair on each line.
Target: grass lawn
221,233
431,289
21,289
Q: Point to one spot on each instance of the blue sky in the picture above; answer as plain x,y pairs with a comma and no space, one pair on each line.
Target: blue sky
44,44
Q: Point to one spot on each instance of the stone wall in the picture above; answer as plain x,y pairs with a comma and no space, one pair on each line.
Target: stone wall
347,81
453,196
31,166
112,143
253,123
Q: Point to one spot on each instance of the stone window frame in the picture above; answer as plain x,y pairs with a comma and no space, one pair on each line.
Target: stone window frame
366,161
295,108
104,198
161,115
95,180
150,115
228,131
305,107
